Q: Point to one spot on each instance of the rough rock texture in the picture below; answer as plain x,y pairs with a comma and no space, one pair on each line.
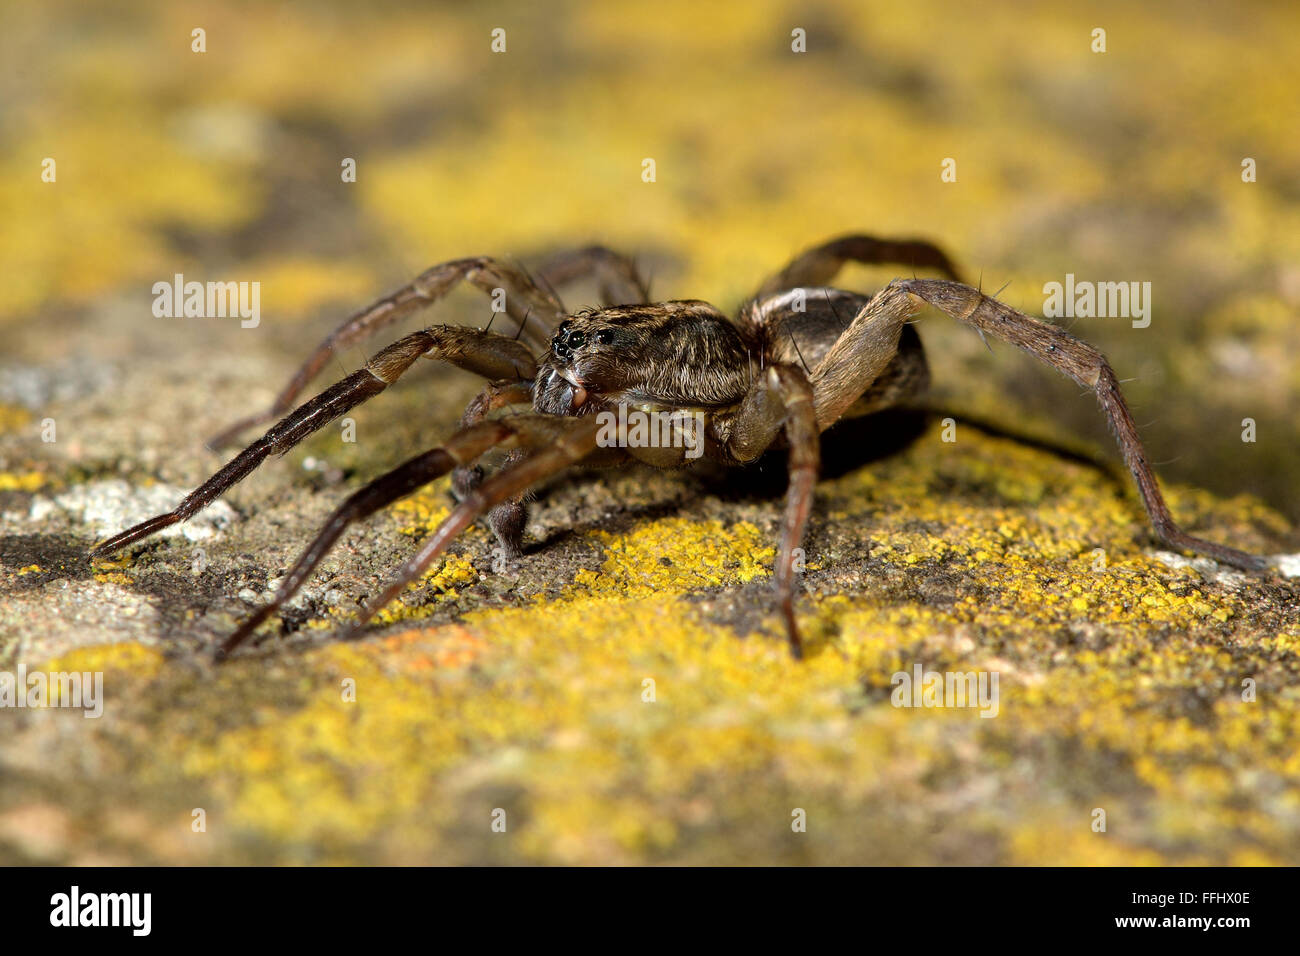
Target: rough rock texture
1160,690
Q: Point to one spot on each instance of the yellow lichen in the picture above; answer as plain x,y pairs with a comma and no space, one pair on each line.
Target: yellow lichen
24,481
673,555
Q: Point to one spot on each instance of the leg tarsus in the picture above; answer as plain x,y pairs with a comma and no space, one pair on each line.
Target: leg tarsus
383,491
325,407
507,521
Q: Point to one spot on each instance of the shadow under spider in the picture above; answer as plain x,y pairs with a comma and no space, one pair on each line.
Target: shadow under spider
858,442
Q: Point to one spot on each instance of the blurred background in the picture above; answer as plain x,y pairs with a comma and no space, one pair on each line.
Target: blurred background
1123,165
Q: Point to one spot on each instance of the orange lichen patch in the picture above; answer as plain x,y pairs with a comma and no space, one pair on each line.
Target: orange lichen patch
421,650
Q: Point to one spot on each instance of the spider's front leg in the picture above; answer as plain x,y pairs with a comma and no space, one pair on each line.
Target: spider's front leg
536,310
484,353
782,400
535,307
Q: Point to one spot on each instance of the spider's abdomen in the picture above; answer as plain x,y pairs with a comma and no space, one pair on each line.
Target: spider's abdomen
799,326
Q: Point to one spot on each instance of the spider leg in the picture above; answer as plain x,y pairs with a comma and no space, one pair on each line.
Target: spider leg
537,311
484,353
620,281
1085,365
861,356
819,265
572,441
783,400
508,518
464,446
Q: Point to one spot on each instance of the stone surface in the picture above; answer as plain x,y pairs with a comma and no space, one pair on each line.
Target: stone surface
1160,689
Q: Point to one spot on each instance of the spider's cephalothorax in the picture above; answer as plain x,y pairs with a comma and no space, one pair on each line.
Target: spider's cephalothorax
798,357
668,354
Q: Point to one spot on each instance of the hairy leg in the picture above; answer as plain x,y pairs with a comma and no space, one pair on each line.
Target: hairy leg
463,447
903,379
820,264
507,519
783,400
873,336
537,312
484,353
570,440
617,275
861,356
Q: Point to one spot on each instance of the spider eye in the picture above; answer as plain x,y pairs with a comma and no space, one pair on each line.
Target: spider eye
576,340
604,337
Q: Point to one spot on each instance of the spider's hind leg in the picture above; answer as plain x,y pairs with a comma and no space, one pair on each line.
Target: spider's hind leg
1085,365
820,264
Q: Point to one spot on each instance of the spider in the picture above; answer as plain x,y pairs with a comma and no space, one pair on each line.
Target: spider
798,357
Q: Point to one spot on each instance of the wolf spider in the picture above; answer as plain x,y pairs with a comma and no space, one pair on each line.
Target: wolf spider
798,357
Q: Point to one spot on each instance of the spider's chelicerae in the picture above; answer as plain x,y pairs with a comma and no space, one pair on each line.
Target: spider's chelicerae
798,357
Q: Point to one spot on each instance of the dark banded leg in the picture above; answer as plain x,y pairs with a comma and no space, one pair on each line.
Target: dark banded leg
462,447
483,352
536,311
1079,361
820,264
